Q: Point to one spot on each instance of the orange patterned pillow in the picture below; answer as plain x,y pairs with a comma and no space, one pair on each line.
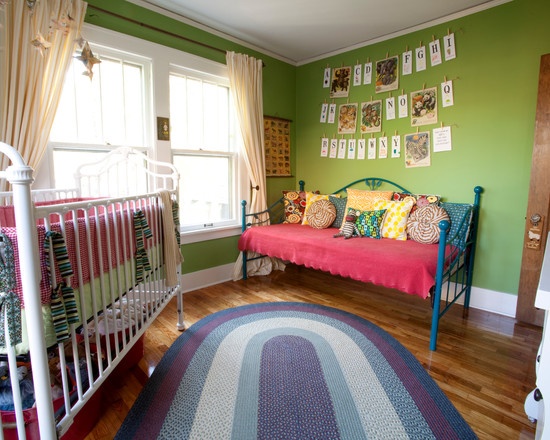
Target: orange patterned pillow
364,200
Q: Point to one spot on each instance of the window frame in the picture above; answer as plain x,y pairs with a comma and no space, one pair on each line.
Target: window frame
162,60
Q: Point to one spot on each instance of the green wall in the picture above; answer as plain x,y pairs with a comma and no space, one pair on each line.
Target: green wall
495,77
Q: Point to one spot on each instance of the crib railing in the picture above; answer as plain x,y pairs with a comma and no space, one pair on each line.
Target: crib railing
117,279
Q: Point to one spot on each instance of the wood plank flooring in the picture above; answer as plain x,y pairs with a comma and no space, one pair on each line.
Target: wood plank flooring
485,364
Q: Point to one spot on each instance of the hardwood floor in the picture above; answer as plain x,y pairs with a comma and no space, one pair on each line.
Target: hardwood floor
485,364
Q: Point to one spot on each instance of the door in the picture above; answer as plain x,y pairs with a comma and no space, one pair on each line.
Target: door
538,205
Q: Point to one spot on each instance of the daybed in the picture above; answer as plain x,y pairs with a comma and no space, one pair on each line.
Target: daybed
437,264
82,277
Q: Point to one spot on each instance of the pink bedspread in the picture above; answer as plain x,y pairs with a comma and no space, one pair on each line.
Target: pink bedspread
404,265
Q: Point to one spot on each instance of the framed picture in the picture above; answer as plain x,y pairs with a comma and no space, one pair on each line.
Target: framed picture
417,150
387,74
347,118
371,116
424,107
340,82
277,146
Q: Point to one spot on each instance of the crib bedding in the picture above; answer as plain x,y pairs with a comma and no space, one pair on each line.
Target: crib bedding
408,266
94,223
106,266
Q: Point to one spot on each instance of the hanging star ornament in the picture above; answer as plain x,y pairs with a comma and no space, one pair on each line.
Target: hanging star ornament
41,43
87,57
61,25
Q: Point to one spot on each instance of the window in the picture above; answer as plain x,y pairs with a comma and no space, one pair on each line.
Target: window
135,82
96,115
204,148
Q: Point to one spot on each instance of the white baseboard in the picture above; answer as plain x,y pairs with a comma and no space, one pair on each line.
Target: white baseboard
492,301
207,277
483,299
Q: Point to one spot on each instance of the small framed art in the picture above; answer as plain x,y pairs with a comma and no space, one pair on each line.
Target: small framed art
277,146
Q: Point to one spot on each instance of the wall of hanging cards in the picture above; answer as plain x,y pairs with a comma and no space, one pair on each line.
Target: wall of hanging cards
364,122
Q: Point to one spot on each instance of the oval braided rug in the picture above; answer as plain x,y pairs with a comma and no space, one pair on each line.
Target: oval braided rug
290,371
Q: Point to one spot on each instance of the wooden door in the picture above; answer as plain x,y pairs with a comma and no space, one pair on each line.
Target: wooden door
538,205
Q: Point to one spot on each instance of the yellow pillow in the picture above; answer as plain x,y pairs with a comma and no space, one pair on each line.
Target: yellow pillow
311,198
395,222
363,200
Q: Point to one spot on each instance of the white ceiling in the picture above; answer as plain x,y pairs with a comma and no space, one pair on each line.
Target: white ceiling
300,31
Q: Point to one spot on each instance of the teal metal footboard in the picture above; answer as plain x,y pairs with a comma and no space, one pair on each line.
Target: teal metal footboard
455,270
456,253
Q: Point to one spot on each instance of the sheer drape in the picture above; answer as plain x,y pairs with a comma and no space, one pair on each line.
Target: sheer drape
32,74
245,78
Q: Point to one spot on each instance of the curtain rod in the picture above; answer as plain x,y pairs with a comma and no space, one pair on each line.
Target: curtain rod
163,31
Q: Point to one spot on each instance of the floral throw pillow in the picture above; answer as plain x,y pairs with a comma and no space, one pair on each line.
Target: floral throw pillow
418,199
295,205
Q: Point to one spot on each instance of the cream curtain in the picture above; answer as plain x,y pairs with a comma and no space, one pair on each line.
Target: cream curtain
38,43
245,78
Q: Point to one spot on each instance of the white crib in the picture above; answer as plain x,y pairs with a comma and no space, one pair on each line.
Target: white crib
122,254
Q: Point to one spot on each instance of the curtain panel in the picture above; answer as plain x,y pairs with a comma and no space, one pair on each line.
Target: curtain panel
39,40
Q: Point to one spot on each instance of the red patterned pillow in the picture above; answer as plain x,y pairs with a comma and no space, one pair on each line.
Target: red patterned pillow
295,205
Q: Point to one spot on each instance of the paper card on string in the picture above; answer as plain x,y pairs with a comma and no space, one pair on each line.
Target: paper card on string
351,148
324,111
390,108
331,113
396,146
417,150
340,82
420,58
367,73
407,62
442,139
403,102
324,147
435,53
342,149
357,71
361,149
449,47
383,147
371,153
333,148
447,99
326,78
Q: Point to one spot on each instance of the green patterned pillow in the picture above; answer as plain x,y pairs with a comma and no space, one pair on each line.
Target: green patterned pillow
369,223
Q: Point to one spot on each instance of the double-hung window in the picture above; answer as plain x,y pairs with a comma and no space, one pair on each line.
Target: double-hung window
204,148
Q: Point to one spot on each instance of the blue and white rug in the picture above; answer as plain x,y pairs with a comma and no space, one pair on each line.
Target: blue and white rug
290,371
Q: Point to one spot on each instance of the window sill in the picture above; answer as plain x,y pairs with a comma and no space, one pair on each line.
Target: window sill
209,234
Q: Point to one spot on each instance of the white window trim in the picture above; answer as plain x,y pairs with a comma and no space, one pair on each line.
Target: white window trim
162,57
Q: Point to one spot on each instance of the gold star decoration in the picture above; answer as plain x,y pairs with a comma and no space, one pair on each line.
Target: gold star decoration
87,57
61,24
80,41
41,43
